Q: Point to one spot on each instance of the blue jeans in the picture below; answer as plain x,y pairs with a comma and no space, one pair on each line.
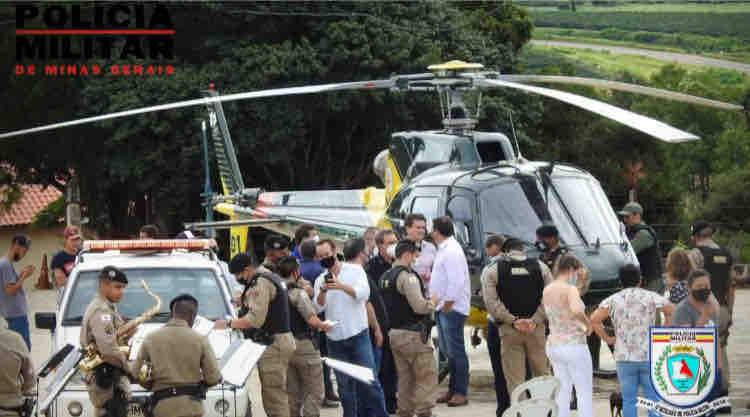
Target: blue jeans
632,375
451,340
364,409
357,350
20,325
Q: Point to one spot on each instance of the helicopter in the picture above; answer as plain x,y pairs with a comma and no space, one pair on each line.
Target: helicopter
480,179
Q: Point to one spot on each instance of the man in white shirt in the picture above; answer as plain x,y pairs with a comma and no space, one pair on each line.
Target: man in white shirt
450,289
343,298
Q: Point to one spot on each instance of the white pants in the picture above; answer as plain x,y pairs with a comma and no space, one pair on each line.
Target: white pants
572,366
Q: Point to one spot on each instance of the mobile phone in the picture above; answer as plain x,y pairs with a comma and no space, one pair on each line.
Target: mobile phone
329,278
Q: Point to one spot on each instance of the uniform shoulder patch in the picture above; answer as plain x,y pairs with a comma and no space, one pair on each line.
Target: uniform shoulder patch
413,280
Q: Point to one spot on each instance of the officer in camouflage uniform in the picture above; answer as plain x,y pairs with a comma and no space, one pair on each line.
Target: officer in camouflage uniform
405,298
305,373
16,371
264,318
108,385
183,365
646,246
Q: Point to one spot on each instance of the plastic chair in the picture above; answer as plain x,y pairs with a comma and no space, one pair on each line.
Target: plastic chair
532,408
542,387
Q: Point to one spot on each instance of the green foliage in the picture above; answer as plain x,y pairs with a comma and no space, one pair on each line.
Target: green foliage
708,23
50,215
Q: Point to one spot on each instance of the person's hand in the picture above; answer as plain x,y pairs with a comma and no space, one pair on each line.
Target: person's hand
435,299
520,325
27,271
333,283
589,329
131,331
378,334
325,327
220,324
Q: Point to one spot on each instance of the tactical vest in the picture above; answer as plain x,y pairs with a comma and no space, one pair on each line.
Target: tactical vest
298,324
277,318
718,263
520,285
649,258
550,258
400,312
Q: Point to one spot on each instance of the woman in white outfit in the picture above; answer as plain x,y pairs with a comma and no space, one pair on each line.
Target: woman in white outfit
566,344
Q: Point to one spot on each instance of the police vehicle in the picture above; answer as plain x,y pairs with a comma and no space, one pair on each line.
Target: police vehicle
169,268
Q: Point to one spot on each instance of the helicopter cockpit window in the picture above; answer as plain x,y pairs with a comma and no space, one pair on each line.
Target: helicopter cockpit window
459,209
589,207
491,152
426,206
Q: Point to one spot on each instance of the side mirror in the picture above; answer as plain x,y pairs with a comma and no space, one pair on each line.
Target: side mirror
47,321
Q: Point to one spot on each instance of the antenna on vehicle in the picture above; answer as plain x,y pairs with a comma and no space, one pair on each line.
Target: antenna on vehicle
515,138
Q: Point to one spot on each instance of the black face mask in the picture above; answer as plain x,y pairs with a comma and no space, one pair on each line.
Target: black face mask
16,257
328,262
702,294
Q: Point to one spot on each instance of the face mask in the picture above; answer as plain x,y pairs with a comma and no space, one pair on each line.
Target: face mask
573,278
16,257
328,262
702,294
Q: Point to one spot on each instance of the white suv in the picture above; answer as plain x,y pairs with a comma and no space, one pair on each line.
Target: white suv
168,274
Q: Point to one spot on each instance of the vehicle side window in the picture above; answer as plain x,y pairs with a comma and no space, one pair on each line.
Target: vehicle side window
460,210
427,206
397,208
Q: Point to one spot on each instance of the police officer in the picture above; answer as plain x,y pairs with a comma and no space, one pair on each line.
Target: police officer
645,244
275,248
707,254
512,289
305,373
405,298
493,249
182,363
108,385
265,318
16,372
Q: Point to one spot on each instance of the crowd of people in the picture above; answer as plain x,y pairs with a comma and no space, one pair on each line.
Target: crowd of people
374,301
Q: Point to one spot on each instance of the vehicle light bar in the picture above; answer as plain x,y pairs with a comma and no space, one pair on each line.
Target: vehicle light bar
148,244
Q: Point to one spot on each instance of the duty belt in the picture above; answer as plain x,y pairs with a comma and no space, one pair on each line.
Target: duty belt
196,391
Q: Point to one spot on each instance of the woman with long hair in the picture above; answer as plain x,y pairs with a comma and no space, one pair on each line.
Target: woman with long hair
679,266
566,344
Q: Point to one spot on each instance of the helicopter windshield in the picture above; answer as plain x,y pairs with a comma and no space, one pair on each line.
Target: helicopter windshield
589,207
518,207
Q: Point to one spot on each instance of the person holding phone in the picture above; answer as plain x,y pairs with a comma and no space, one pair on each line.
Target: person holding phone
13,305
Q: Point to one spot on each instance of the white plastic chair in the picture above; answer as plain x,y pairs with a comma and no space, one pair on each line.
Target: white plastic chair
532,408
542,387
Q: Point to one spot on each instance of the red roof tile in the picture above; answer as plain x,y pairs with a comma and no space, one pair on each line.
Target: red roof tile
33,199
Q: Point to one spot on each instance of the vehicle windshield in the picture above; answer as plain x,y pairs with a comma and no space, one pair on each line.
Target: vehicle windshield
203,284
589,207
519,206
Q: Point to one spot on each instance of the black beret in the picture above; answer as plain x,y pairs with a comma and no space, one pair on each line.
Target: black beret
275,242
404,246
240,262
547,230
182,297
111,273
699,226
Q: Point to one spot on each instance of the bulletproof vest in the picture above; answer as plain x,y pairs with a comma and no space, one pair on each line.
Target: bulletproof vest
277,318
299,326
718,263
520,285
400,312
649,258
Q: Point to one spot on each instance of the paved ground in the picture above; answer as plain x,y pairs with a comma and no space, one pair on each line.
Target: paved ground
482,399
660,55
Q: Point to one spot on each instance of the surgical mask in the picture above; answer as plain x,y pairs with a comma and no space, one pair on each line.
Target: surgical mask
328,262
702,294
391,251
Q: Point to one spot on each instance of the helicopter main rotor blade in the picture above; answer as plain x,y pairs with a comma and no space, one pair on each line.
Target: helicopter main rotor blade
312,89
644,124
620,86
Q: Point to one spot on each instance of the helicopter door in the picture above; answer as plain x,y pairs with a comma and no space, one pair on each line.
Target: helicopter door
461,209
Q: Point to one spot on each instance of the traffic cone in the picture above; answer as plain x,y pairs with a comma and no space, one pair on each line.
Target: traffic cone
42,283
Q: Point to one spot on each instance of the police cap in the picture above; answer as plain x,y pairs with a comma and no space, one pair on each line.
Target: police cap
699,226
240,262
631,208
547,230
405,246
111,273
182,297
275,242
